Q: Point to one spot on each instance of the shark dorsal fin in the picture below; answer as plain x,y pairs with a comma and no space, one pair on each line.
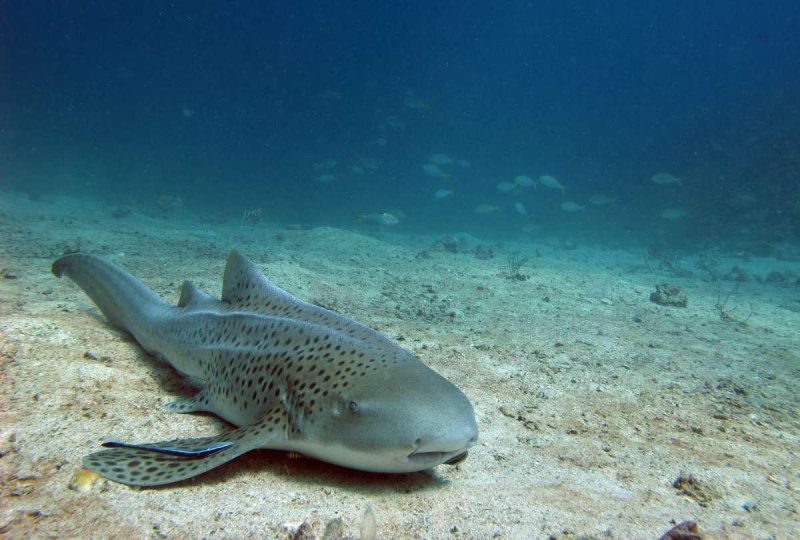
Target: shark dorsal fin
192,296
245,287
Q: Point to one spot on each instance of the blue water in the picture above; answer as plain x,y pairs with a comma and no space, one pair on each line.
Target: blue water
229,105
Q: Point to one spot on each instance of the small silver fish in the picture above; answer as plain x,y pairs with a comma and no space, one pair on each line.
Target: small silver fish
383,218
484,209
551,182
325,164
413,102
524,181
572,206
673,214
601,199
666,179
434,171
506,187
440,159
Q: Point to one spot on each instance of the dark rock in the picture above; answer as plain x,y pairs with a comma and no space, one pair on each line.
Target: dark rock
738,275
168,206
685,530
447,243
484,252
121,211
761,249
669,295
782,279
452,244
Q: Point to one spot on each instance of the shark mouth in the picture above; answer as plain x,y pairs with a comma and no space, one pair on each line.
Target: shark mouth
455,460
437,457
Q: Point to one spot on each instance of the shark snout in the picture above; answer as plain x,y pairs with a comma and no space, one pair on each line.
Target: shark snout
450,447
448,443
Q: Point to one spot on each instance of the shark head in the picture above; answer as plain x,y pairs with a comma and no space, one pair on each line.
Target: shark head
357,399
403,417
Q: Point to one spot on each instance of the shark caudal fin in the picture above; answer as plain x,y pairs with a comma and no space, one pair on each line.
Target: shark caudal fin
124,300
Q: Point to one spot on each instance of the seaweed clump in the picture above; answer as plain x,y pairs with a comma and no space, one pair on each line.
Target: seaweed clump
514,265
690,486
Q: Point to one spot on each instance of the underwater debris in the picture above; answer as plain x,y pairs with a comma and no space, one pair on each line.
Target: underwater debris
514,264
312,528
689,486
368,528
253,216
669,295
709,262
685,530
726,311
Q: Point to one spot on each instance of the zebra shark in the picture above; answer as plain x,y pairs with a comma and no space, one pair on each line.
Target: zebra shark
290,375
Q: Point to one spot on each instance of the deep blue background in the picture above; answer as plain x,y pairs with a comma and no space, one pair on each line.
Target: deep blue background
228,104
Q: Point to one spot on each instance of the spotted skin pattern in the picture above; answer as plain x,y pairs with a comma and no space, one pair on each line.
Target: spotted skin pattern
294,376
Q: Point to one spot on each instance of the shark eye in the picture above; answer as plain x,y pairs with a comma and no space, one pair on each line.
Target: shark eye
353,406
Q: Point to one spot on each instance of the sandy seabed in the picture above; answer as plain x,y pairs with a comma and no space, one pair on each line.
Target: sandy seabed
601,414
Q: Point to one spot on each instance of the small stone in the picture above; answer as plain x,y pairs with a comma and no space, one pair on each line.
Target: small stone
84,481
750,506
506,411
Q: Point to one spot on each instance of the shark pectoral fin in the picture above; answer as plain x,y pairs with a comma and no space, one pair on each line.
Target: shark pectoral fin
164,462
196,403
197,452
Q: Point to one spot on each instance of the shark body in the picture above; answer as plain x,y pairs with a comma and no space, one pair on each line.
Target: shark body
291,375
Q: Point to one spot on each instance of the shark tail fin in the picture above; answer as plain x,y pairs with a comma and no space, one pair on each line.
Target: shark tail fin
163,462
123,299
